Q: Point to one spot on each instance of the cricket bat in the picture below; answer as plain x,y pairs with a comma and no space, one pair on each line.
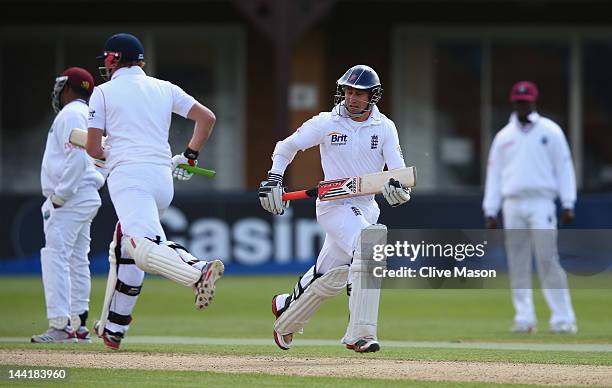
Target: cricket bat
78,137
355,186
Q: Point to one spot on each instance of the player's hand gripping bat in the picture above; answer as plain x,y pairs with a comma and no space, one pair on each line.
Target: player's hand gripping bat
355,186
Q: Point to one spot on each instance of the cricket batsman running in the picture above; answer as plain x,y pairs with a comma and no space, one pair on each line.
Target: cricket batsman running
354,139
134,111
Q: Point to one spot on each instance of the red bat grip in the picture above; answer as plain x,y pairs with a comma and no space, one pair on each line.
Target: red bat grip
302,194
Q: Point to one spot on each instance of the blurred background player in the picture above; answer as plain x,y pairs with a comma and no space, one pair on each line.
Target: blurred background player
530,165
70,182
355,138
134,111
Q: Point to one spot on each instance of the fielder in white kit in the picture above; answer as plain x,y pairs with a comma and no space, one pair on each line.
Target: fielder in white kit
134,111
530,165
354,139
70,182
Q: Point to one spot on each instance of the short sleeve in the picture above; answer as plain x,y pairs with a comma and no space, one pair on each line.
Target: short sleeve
97,111
181,101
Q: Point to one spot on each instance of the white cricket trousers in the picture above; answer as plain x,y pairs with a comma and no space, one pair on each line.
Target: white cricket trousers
342,223
64,258
140,194
534,230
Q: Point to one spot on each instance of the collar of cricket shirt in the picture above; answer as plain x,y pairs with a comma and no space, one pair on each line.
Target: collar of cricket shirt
76,100
374,119
132,70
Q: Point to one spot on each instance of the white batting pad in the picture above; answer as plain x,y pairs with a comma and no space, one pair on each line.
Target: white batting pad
302,309
160,260
365,292
111,282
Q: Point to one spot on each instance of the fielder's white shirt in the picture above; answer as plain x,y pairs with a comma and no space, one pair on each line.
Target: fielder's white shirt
65,168
348,148
529,161
135,110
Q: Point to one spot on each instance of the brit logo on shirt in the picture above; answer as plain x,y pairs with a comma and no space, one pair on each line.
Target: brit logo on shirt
92,113
374,142
544,140
338,138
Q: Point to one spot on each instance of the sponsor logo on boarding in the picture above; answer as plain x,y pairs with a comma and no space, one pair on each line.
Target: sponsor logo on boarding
338,138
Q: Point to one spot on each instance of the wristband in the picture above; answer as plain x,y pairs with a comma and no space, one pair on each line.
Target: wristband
191,154
274,177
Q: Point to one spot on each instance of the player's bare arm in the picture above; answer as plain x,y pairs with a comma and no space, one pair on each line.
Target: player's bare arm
204,122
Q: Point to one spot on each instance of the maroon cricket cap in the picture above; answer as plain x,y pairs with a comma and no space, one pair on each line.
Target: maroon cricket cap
79,78
524,91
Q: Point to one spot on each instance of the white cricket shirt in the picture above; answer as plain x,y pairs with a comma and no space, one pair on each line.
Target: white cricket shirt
135,110
65,168
348,148
529,161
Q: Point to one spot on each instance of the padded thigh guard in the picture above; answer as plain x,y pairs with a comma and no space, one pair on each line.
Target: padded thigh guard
303,308
365,289
161,260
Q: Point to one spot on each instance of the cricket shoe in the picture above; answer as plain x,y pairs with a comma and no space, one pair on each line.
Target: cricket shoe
278,308
205,287
82,335
55,336
563,328
364,345
524,328
111,339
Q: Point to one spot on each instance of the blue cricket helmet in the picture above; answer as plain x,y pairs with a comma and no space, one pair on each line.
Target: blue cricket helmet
359,77
127,45
122,47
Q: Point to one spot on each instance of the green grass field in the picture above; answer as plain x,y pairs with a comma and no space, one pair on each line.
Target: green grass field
445,325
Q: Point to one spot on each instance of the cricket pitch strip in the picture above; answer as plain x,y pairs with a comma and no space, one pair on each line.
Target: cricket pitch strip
493,372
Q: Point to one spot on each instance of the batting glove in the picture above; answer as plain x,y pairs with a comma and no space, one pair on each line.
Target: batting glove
395,193
271,194
188,157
